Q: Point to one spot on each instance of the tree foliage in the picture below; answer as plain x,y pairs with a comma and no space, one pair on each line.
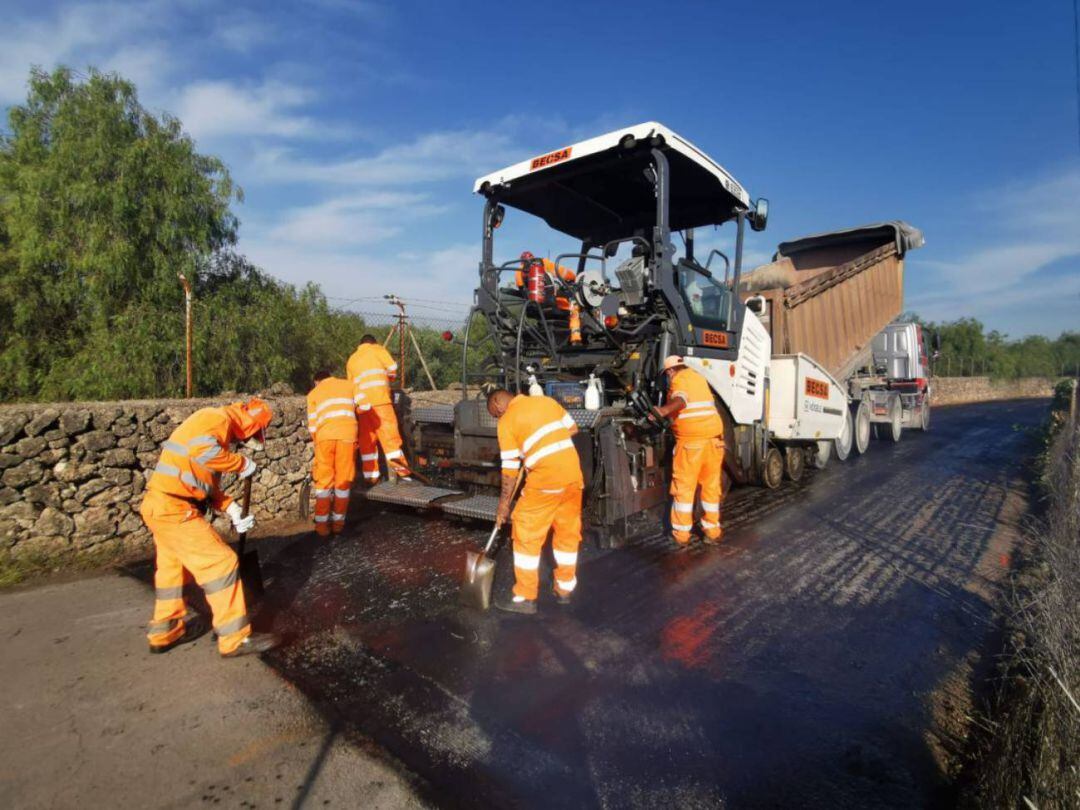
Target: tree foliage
967,349
102,205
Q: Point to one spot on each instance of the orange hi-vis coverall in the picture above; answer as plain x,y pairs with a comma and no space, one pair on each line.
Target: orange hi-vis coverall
370,369
699,456
332,421
184,482
554,271
535,431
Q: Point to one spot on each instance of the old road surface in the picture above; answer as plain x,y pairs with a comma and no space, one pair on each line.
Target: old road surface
817,659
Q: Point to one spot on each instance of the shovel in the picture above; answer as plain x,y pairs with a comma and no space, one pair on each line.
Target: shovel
480,568
250,572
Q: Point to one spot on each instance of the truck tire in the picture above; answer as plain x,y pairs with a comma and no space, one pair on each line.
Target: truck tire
924,416
772,468
842,443
862,427
896,419
821,455
794,462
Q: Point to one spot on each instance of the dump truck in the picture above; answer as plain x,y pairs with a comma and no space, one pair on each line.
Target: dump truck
781,369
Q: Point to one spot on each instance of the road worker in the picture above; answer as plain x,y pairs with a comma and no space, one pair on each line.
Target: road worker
333,405
184,484
699,451
371,370
553,271
535,432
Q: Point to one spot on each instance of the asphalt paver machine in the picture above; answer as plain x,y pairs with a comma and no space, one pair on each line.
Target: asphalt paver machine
631,201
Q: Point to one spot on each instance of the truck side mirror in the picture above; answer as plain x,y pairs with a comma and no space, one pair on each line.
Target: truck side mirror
759,217
937,341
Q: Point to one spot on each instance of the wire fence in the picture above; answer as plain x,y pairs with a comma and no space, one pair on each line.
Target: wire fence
953,365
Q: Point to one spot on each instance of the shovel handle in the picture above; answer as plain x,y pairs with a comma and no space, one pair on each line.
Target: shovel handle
245,509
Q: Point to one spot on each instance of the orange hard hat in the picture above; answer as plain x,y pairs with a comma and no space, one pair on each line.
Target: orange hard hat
673,361
526,255
250,418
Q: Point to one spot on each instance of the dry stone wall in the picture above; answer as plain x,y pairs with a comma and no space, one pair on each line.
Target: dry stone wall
72,475
958,390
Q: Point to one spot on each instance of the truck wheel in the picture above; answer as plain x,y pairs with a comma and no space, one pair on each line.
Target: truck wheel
924,417
772,468
794,462
896,419
842,443
862,427
821,455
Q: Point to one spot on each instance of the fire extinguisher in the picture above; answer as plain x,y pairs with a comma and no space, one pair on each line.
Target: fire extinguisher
537,281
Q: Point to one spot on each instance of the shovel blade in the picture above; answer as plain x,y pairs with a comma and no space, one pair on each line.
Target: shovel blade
251,574
479,575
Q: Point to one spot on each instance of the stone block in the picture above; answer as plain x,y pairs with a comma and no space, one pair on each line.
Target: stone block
31,446
117,476
97,441
97,521
8,495
119,457
11,425
9,460
91,488
42,421
29,472
104,417
71,472
43,494
73,422
54,522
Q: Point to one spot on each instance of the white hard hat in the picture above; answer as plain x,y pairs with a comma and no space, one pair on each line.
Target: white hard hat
673,361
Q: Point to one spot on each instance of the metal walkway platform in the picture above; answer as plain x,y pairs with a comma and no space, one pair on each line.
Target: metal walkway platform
481,507
408,494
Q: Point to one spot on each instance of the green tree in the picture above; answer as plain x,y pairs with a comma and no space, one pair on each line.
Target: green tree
101,205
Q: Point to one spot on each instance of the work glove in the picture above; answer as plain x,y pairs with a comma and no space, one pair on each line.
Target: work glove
248,470
502,515
242,524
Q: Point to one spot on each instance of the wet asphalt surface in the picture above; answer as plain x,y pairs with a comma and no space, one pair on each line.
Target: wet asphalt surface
795,666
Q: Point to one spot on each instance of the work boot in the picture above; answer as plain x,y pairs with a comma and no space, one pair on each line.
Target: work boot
194,627
562,598
518,604
680,547
713,541
254,644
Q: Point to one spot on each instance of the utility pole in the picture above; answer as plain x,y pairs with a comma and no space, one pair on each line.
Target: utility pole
187,330
401,327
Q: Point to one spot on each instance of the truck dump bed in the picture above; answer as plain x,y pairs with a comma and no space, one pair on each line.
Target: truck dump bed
829,294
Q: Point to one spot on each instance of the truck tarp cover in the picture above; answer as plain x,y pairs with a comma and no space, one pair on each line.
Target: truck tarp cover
906,237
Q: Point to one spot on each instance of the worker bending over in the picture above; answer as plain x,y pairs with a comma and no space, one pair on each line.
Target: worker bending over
332,411
184,484
699,451
371,369
536,432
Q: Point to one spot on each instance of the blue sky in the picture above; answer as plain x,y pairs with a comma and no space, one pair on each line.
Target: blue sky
356,128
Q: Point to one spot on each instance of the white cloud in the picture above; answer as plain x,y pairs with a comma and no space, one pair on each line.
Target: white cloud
78,35
1024,228
223,108
431,157
351,220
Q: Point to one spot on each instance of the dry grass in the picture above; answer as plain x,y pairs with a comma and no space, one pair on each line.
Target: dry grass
1030,754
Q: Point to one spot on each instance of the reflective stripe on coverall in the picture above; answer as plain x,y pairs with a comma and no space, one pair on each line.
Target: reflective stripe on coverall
333,426
185,478
534,431
698,458
370,370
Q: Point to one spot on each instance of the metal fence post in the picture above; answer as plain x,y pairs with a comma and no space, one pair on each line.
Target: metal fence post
1074,406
